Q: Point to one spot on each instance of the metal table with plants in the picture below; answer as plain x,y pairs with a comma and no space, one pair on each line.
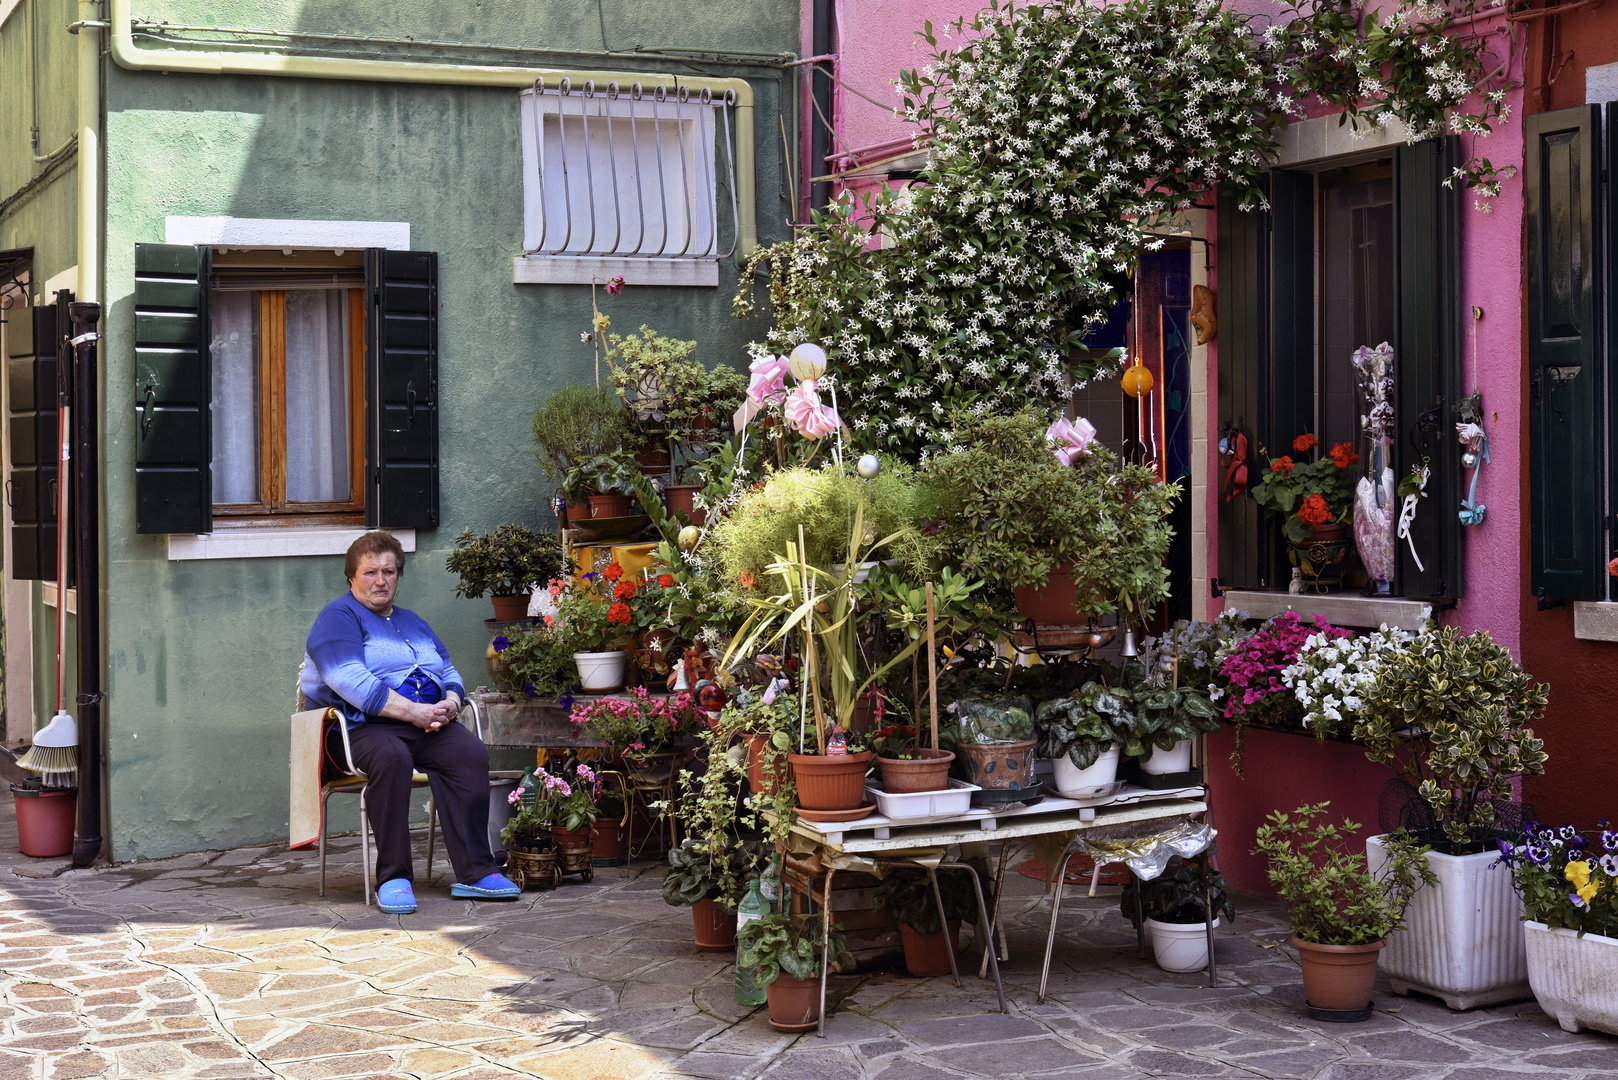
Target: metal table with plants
878,842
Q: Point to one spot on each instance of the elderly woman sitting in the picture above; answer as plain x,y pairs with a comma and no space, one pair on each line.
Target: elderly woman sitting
390,676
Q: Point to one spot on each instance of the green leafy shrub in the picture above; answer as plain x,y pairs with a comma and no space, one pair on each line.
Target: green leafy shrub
539,662
1450,713
575,423
1331,897
698,872
511,561
906,894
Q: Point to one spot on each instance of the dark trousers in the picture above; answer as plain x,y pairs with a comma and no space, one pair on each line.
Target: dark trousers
456,764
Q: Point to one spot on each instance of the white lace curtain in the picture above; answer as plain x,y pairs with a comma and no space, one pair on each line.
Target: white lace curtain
317,396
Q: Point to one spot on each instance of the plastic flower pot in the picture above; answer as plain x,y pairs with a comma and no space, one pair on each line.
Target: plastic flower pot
715,926
1163,762
929,772
45,820
757,782
1338,977
794,1003
510,608
1575,978
609,506
1184,946
682,497
830,783
999,765
927,955
609,845
601,672
1076,783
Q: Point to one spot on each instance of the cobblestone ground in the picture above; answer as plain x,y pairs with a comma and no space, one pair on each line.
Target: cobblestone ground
229,964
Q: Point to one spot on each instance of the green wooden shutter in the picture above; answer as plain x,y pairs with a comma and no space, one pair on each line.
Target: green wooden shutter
1427,361
1563,237
1243,310
173,391
1292,355
401,390
31,471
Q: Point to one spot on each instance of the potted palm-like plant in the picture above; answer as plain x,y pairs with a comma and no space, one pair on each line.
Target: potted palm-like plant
508,564
1451,714
784,954
1342,912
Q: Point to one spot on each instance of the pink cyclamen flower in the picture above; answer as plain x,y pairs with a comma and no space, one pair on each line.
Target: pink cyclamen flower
1070,440
615,286
769,380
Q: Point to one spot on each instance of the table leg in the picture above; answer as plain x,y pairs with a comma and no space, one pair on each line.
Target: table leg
1208,912
1050,936
983,914
825,945
997,929
943,921
1140,916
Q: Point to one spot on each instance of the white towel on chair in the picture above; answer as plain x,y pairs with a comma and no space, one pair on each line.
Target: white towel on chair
303,815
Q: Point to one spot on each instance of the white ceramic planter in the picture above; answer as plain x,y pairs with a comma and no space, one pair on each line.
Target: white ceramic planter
1077,783
1179,946
601,671
1574,978
1463,938
1169,761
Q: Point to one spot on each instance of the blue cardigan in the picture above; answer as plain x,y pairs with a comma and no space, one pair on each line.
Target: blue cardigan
356,656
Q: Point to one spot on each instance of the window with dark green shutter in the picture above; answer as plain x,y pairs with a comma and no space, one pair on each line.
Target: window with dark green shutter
273,387
31,444
1562,244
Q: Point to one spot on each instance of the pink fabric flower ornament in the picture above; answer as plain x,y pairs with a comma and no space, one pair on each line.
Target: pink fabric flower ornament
769,381
1070,440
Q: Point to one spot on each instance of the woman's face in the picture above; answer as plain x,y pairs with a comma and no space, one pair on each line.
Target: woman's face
375,581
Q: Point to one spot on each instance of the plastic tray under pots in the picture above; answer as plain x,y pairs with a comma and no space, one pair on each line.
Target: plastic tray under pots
1030,793
955,799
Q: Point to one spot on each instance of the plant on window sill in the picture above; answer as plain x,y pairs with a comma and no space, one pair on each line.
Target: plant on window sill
1309,494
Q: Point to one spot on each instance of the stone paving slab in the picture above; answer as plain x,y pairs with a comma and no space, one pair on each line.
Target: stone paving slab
228,964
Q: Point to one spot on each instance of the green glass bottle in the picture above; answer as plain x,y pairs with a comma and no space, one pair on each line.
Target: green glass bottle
753,905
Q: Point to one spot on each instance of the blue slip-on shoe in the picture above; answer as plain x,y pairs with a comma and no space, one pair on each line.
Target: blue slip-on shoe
493,887
396,897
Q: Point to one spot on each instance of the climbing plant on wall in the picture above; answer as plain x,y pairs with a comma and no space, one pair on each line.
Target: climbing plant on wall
1059,134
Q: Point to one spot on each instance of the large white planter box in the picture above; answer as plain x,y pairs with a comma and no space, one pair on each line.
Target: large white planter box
1574,978
1463,937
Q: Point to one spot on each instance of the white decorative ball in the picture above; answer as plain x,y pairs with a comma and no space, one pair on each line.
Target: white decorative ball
688,538
807,362
869,465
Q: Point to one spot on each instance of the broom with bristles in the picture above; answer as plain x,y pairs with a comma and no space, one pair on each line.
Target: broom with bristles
55,753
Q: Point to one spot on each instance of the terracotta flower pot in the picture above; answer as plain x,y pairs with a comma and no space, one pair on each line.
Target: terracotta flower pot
610,506
653,457
1338,976
999,765
682,497
610,844
830,783
930,772
510,608
756,780
1054,605
571,837
794,1003
716,927
928,954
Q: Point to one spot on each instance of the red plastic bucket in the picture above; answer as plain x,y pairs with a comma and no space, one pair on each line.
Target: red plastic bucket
45,821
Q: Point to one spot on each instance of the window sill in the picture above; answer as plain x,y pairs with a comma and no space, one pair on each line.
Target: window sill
72,598
1595,620
273,542
600,269
1358,612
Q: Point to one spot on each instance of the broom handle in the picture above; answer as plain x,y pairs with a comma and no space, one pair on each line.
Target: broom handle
932,667
64,455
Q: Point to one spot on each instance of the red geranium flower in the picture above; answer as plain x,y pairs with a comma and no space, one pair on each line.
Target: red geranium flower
619,613
665,580
1305,443
624,590
1314,511
1343,455
1281,465
613,571
746,579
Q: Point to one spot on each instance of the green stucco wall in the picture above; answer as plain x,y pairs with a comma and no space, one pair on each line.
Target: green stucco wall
202,655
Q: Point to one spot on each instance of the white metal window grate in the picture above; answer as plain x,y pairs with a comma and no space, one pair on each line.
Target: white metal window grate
626,181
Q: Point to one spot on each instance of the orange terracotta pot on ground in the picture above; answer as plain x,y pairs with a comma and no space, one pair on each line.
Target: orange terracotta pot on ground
610,844
794,1003
1338,976
830,783
715,927
927,955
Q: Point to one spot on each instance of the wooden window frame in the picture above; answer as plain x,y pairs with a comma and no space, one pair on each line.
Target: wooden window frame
273,507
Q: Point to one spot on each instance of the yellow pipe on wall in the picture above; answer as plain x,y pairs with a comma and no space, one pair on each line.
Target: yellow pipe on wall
132,57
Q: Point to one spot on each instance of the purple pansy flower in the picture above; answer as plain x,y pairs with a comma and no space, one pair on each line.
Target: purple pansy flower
1538,854
1609,865
1609,839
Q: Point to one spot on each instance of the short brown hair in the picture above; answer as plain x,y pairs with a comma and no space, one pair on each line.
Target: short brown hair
372,543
